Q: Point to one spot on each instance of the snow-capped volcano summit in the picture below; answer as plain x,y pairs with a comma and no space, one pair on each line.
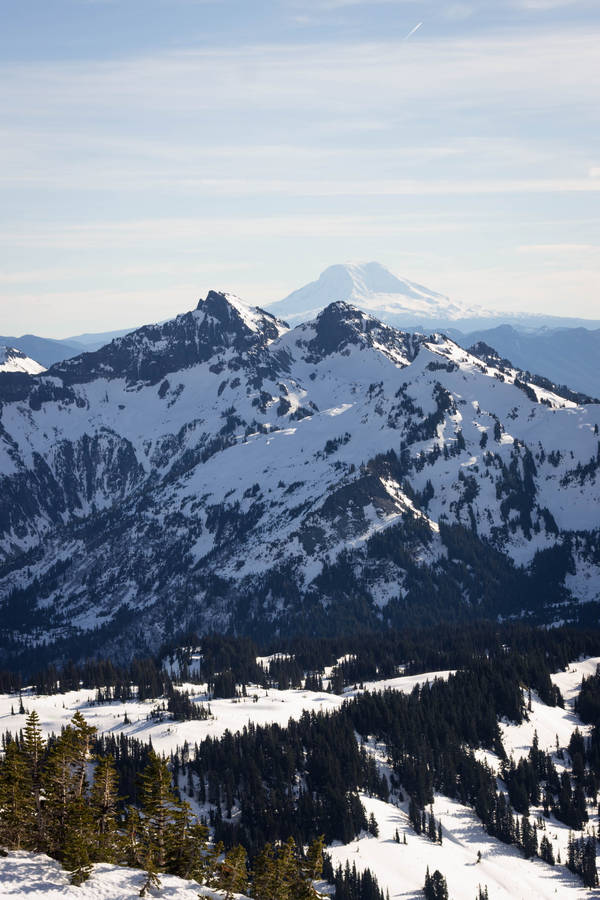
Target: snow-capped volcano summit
371,287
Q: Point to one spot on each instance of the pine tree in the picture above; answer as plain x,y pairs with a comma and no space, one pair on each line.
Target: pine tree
78,838
312,866
187,846
34,746
151,879
104,802
528,838
234,873
58,787
195,859
286,871
82,734
435,887
588,864
546,851
17,803
132,838
157,800
264,874
373,827
431,829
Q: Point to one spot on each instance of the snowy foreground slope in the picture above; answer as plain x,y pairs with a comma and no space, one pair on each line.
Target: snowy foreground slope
399,867
36,875
221,471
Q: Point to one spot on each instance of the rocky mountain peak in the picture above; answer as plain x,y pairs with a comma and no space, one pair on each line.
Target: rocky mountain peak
220,323
341,325
235,315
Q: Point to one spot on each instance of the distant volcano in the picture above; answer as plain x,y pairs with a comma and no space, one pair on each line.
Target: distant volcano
374,289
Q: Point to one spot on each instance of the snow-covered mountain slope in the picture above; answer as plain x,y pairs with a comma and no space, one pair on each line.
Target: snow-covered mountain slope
222,471
13,360
566,355
372,288
400,868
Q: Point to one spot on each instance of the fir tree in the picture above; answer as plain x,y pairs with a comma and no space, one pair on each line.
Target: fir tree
158,801
312,865
82,734
264,874
78,838
17,802
151,879
435,887
234,872
132,838
58,786
34,747
546,851
104,802
373,827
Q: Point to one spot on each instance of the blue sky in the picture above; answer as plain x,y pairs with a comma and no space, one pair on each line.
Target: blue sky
153,149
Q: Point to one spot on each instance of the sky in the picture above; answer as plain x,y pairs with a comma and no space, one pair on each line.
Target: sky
151,150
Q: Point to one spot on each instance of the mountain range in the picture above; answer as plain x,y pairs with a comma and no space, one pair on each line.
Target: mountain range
221,471
564,349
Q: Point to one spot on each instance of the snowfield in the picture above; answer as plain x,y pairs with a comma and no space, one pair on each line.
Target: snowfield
261,707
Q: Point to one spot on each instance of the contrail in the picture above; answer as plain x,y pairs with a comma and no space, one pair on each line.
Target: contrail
412,31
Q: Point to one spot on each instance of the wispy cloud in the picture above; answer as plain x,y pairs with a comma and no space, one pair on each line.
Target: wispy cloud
169,231
563,249
287,153
555,67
